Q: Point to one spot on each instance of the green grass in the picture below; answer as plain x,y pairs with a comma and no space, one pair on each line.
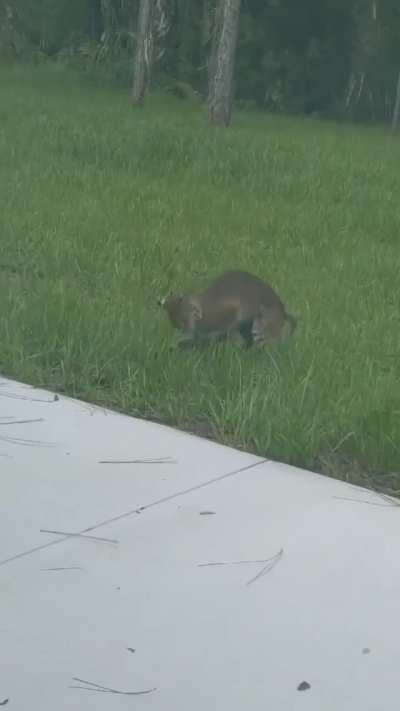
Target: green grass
105,208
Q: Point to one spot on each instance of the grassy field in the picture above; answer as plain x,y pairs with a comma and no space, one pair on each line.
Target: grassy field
105,208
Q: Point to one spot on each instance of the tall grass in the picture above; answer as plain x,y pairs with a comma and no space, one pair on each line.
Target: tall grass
104,208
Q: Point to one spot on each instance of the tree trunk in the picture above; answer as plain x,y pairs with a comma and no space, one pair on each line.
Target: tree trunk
396,110
222,63
206,24
143,51
96,26
215,36
161,27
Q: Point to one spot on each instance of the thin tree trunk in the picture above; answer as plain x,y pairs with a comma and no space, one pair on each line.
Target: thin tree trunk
221,84
205,45
161,27
206,24
396,110
215,35
350,91
95,20
143,51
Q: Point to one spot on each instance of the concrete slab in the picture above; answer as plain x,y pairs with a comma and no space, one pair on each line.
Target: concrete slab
208,577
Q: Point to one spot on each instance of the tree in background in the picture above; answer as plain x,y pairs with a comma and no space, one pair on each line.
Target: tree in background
95,20
143,52
375,60
396,110
214,25
326,57
152,27
222,62
41,26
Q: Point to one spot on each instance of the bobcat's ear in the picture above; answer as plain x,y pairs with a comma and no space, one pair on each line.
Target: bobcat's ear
196,311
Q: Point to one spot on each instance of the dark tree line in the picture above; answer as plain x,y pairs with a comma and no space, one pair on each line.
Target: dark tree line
328,57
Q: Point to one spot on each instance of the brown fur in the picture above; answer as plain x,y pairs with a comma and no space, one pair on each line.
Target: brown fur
235,301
